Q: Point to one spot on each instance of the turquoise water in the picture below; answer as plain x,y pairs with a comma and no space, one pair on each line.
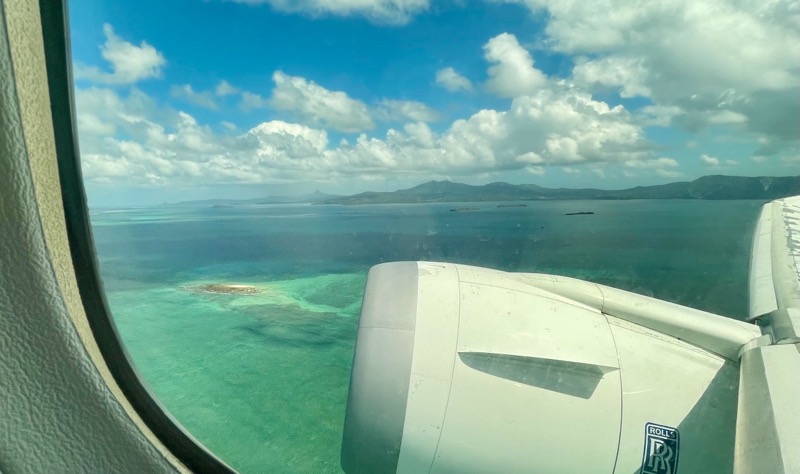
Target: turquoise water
261,379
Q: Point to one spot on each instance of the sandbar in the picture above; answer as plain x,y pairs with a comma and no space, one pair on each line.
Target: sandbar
221,288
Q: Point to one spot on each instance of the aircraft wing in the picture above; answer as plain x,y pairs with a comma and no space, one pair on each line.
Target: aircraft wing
767,428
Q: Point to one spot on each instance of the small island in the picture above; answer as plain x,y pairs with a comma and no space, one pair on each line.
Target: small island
465,209
582,213
512,205
220,288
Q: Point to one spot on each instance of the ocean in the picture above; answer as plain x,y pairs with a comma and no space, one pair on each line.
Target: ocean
261,379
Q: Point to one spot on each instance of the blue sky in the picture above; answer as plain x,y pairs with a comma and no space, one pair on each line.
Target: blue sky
196,99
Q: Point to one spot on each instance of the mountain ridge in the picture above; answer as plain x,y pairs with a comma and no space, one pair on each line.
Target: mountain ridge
705,187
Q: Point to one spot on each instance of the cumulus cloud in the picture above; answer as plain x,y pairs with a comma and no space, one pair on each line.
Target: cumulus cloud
132,115
224,88
319,106
662,162
658,115
709,160
721,62
697,119
252,101
129,63
626,73
664,167
452,81
164,146
315,105
92,125
562,127
393,12
188,94
668,173
512,73
404,111
294,141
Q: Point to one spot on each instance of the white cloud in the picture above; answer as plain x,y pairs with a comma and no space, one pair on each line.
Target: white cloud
723,117
572,127
393,12
187,93
561,127
658,115
721,62
698,119
452,81
709,160
316,105
133,115
668,174
252,101
691,38
626,73
163,146
662,162
512,73
93,125
277,138
129,63
664,167
404,110
224,88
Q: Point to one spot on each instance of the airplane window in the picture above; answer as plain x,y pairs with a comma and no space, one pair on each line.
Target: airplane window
247,162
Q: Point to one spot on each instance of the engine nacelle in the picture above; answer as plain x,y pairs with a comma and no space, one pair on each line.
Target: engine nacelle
463,369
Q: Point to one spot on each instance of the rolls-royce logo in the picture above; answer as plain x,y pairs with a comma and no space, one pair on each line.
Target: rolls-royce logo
661,445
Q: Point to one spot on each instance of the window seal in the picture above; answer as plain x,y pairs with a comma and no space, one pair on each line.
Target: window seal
55,35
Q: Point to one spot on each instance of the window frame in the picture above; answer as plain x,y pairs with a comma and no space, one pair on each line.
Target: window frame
56,39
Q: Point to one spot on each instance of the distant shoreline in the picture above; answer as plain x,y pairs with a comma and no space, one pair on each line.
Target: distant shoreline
713,187
716,187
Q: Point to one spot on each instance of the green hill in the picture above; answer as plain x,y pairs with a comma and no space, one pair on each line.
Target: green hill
706,187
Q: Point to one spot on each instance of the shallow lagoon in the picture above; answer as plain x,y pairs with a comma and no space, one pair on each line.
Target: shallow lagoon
261,379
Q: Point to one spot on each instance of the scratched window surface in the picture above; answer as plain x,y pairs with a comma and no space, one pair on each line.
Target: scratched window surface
247,162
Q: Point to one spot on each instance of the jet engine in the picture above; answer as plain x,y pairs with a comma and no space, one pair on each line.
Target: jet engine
464,369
